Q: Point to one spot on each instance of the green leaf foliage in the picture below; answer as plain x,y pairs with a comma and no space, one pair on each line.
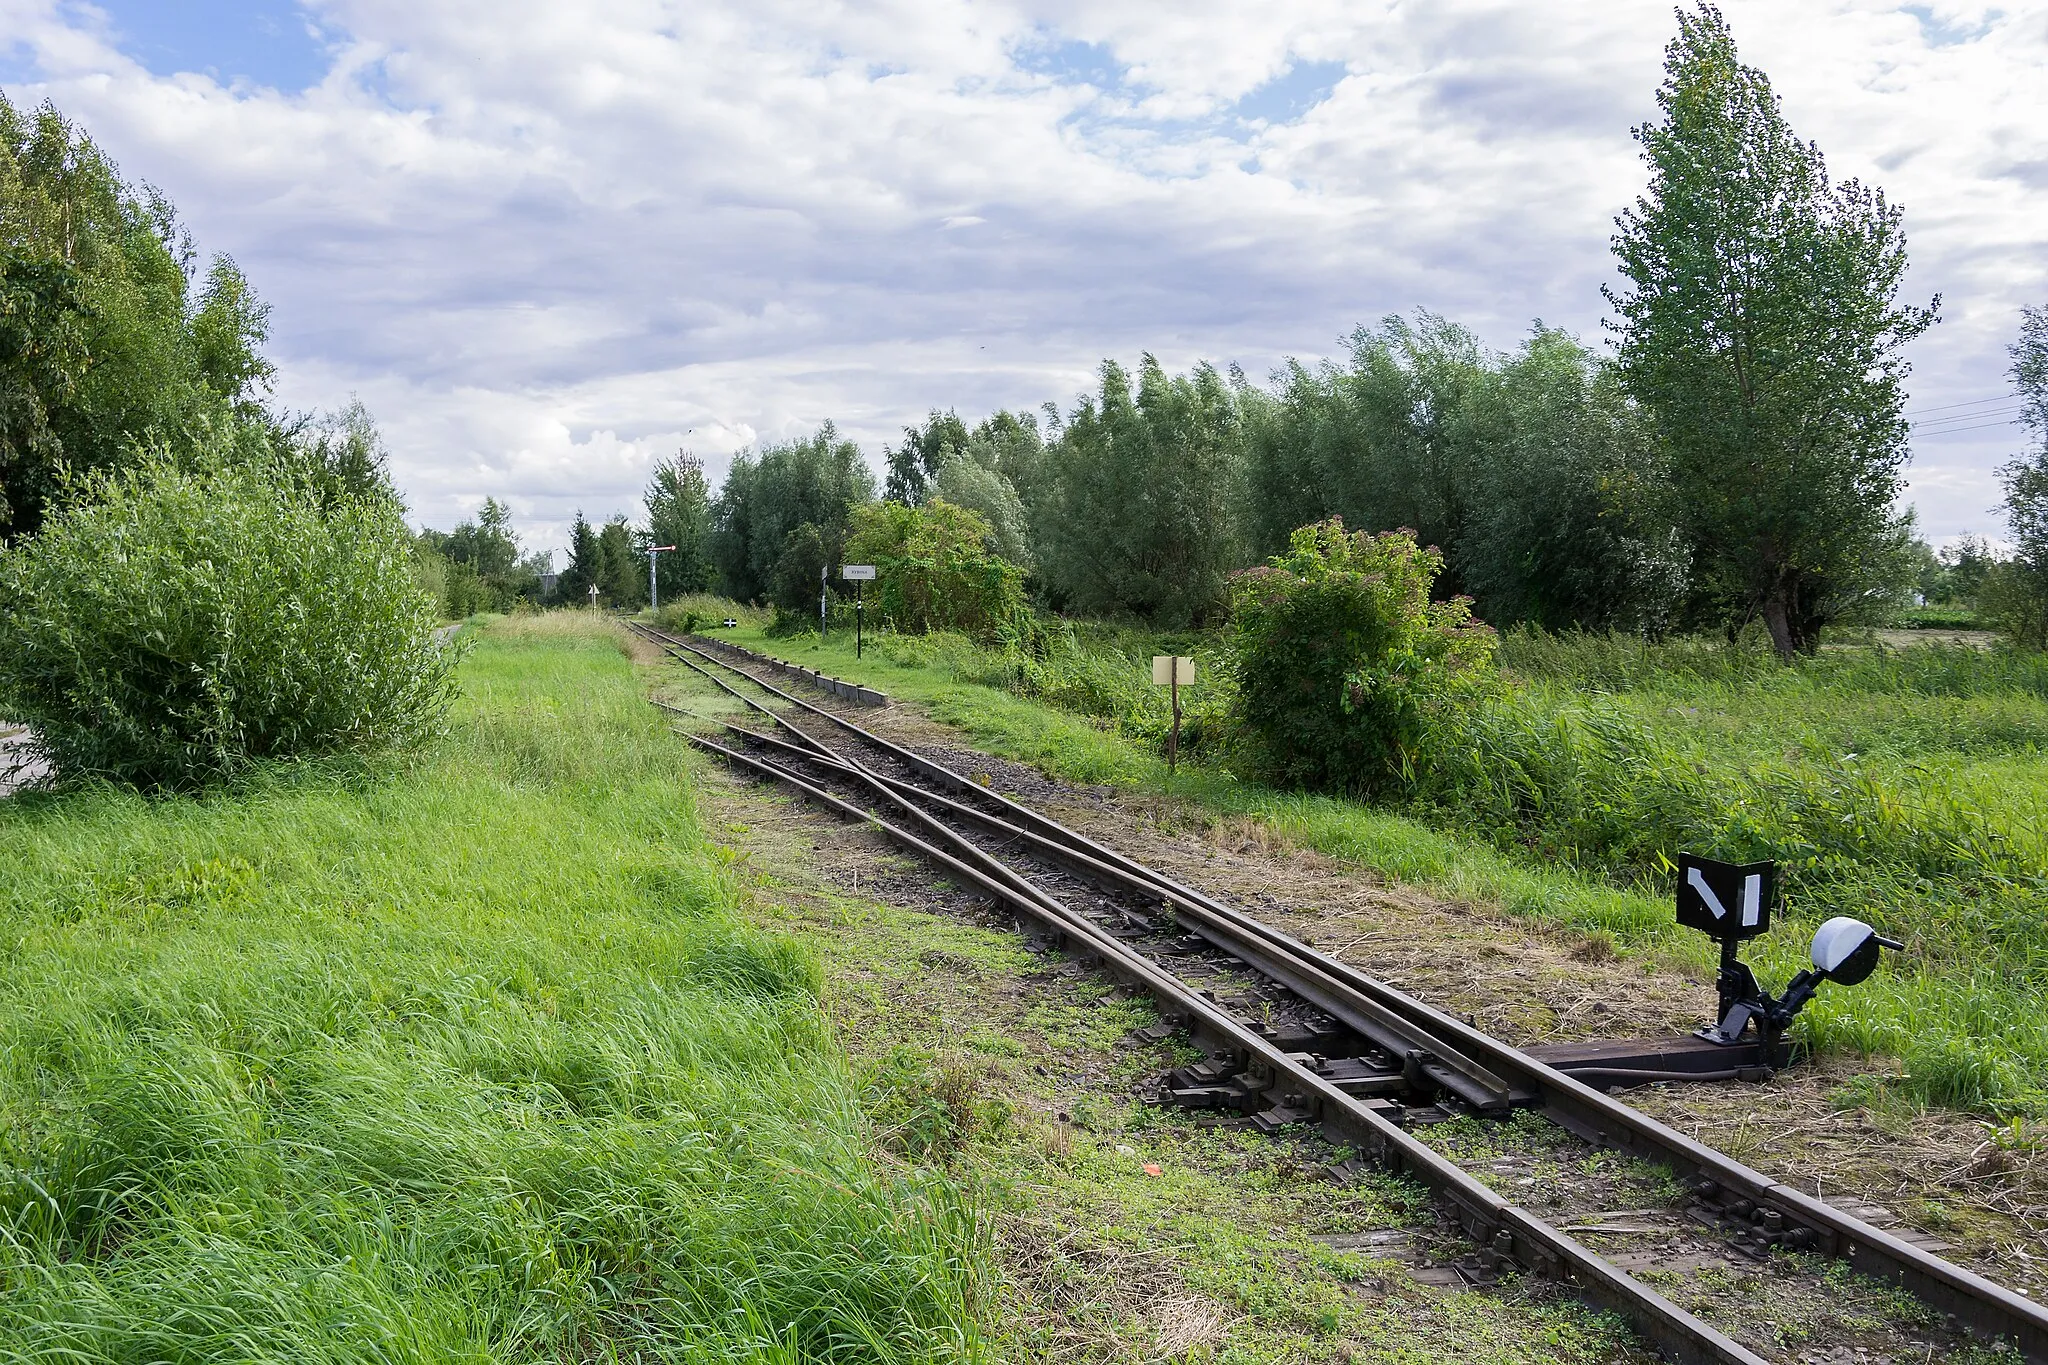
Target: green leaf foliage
106,345
1344,663
1761,332
1142,517
819,480
172,626
679,514
934,570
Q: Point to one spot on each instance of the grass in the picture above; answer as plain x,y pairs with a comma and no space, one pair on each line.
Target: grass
1127,1232
1900,786
473,1057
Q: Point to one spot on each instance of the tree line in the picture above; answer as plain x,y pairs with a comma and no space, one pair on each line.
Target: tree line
1735,456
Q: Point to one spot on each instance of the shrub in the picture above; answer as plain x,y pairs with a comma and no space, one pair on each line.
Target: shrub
935,569
2014,599
1342,660
172,627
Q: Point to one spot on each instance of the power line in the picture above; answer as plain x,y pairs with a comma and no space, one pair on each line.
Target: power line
1981,426
1985,415
1971,416
1973,403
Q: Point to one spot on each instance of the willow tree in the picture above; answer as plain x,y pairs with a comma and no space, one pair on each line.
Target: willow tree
1760,329
1142,513
110,343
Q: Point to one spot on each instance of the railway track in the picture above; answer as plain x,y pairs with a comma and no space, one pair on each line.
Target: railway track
1293,1036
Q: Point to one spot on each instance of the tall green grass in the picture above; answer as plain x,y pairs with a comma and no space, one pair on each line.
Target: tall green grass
474,1059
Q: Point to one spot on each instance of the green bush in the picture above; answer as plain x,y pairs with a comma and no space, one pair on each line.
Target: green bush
172,627
1343,663
936,572
1939,618
706,611
2014,599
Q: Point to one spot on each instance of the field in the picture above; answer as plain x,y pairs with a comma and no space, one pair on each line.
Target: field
1899,785
475,1057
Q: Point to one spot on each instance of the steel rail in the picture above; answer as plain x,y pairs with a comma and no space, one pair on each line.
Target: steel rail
1985,1307
1383,1028
1500,1227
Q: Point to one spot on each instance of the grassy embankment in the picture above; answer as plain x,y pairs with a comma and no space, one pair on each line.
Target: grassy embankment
473,1057
1899,786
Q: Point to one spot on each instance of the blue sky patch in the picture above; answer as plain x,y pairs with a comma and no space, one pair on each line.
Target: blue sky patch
1939,32
1073,63
267,42
1292,93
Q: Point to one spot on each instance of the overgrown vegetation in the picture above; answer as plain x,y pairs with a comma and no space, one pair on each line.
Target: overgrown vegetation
170,627
1343,668
1899,786
935,569
477,1059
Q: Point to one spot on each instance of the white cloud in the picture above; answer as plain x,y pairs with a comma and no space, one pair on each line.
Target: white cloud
549,243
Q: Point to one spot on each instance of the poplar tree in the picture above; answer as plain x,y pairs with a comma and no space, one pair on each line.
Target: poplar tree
679,514
1760,330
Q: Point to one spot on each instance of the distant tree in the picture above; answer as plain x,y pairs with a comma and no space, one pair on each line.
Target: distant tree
622,564
2030,374
679,514
801,572
970,479
818,481
1012,444
1760,331
915,464
1566,510
1142,513
1384,442
487,545
585,563
1957,571
2014,594
345,453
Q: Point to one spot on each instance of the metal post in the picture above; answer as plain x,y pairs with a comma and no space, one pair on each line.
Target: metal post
856,618
824,573
653,601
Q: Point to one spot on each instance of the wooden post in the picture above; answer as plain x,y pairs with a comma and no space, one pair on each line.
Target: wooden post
1171,670
1173,740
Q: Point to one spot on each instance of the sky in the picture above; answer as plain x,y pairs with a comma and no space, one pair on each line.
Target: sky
550,244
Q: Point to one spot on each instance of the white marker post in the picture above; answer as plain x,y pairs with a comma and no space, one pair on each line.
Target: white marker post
1173,670
653,596
857,574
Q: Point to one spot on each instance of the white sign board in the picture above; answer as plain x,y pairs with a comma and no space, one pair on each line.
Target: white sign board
1168,669
857,573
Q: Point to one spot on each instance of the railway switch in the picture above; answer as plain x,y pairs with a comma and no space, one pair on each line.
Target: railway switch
1732,902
